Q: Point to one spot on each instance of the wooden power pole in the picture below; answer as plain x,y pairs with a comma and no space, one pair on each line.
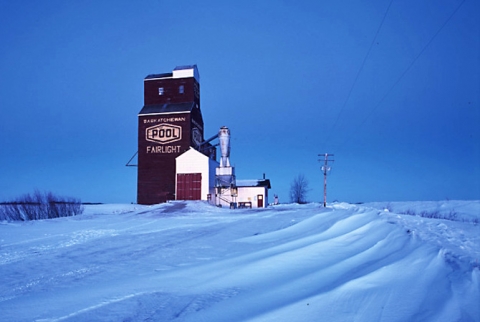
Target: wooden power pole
325,169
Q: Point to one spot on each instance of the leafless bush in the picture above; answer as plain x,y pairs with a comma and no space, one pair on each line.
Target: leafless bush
431,214
409,212
451,215
39,206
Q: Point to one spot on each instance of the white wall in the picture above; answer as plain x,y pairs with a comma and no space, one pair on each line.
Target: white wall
249,194
193,161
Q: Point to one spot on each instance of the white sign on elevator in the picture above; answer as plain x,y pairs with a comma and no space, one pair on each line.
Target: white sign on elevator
164,133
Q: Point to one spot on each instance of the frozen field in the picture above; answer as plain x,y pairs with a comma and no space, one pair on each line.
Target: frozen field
187,261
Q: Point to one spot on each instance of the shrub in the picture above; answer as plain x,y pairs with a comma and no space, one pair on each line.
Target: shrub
39,206
451,215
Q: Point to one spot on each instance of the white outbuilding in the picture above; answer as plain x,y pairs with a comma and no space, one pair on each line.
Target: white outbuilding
253,193
197,178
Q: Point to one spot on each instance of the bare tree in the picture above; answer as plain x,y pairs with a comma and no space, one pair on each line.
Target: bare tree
299,189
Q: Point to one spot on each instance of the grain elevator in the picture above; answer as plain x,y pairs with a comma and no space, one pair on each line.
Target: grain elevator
175,162
169,123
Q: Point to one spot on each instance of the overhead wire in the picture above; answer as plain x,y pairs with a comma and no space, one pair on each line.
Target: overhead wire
375,108
358,73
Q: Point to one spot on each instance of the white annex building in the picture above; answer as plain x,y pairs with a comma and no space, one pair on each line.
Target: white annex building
199,177
195,173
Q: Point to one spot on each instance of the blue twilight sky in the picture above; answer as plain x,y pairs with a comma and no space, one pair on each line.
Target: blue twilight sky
391,88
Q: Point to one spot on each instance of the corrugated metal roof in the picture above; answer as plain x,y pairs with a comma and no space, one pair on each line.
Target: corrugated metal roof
254,183
167,108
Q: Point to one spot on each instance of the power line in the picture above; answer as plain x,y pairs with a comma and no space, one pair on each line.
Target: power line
403,73
359,71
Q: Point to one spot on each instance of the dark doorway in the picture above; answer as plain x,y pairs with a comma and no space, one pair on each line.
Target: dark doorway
260,201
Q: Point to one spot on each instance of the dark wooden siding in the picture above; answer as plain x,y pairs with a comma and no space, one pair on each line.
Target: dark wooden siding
189,186
156,162
171,94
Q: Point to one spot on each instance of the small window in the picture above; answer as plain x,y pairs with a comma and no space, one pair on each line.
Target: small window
181,89
161,91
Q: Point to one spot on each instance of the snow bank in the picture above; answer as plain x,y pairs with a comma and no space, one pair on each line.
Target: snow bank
188,261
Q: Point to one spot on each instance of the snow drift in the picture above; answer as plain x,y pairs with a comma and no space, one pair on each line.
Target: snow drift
187,261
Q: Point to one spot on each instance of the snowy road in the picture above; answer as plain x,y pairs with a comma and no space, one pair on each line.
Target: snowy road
187,261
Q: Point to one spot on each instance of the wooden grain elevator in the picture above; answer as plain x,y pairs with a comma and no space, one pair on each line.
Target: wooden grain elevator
169,123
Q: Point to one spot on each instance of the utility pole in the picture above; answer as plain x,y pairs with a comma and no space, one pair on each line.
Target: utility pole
325,169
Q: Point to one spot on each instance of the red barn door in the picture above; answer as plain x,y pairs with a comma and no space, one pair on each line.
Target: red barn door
189,186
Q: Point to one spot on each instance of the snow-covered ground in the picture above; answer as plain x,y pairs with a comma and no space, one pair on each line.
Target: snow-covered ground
187,261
